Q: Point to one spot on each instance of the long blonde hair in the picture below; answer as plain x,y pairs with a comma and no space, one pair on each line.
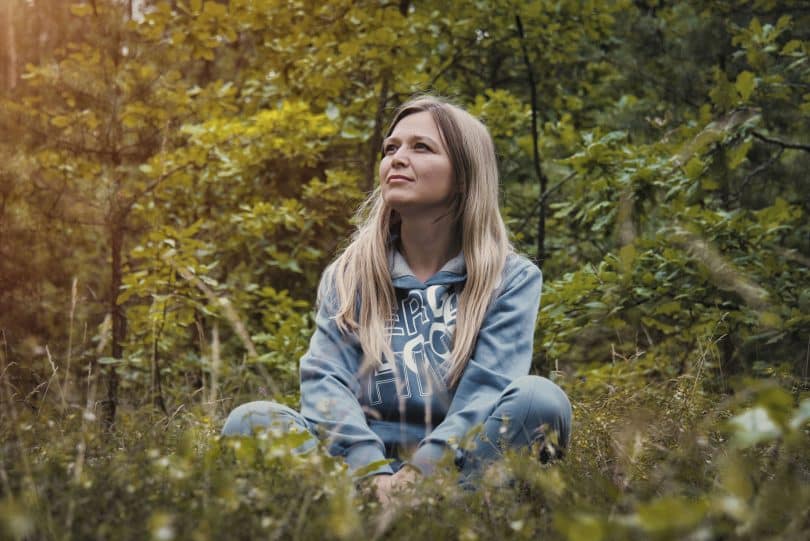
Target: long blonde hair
361,274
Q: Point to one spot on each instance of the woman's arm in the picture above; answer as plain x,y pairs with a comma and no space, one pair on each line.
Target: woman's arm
330,389
502,353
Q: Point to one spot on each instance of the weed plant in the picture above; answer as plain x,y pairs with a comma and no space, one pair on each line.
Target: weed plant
651,458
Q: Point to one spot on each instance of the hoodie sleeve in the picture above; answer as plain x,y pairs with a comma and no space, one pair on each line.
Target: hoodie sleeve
330,388
502,353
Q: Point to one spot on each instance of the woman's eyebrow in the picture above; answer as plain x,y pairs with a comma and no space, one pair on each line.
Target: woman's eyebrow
411,137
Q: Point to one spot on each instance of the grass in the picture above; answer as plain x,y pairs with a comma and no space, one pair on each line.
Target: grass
651,458
655,454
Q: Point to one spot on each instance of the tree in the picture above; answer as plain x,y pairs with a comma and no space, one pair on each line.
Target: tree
85,148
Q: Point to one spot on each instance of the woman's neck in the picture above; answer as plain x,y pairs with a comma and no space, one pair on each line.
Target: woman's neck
427,244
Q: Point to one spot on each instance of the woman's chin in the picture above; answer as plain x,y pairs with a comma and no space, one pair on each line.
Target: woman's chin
399,201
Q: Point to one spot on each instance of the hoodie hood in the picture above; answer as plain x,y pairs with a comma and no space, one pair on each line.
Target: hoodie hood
454,271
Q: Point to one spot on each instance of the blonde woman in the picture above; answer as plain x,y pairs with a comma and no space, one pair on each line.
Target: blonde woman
426,320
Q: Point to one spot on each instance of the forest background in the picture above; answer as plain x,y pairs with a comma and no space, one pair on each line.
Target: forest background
175,175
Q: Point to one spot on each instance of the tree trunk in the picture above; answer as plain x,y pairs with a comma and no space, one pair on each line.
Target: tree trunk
117,317
538,168
376,136
116,221
11,47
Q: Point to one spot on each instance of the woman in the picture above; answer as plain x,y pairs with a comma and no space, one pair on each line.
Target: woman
426,320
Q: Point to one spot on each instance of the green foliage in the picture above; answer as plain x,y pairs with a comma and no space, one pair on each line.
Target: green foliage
657,460
173,184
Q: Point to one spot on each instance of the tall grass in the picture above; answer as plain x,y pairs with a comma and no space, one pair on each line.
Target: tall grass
653,456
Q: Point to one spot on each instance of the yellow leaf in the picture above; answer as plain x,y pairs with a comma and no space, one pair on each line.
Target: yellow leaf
81,10
60,121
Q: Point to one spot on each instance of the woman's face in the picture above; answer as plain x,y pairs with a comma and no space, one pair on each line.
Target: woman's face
416,175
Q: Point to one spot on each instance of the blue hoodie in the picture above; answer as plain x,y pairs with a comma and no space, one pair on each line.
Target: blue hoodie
406,403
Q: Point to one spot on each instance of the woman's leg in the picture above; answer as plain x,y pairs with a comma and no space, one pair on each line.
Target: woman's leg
247,418
528,411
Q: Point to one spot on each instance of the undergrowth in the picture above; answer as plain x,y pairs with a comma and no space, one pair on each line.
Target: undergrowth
652,457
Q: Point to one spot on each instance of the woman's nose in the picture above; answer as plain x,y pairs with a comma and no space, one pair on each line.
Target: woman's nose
399,158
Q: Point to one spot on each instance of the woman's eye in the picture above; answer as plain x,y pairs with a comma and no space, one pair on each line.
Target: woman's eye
422,146
389,149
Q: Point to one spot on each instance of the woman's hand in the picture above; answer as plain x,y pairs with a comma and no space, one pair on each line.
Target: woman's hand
405,477
386,485
382,488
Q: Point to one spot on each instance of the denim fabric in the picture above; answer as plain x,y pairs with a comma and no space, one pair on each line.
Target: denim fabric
246,419
529,409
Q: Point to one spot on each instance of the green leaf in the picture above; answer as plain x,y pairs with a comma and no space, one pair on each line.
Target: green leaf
581,527
627,256
722,94
374,466
596,305
671,514
746,82
709,184
668,308
694,167
791,46
736,155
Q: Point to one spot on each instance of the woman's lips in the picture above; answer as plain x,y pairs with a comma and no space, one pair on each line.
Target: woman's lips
399,178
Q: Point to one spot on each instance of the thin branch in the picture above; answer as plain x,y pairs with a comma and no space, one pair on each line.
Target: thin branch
543,198
151,186
449,63
757,170
538,170
781,143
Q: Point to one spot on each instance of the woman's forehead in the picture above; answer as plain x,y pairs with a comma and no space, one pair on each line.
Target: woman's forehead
417,124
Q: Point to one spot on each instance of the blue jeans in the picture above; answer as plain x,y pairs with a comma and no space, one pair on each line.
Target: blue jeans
526,412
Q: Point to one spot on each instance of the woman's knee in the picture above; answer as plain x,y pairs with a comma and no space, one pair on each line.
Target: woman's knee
543,403
246,418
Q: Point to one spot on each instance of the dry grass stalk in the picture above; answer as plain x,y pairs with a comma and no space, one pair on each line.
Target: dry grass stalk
215,363
73,298
232,317
722,272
